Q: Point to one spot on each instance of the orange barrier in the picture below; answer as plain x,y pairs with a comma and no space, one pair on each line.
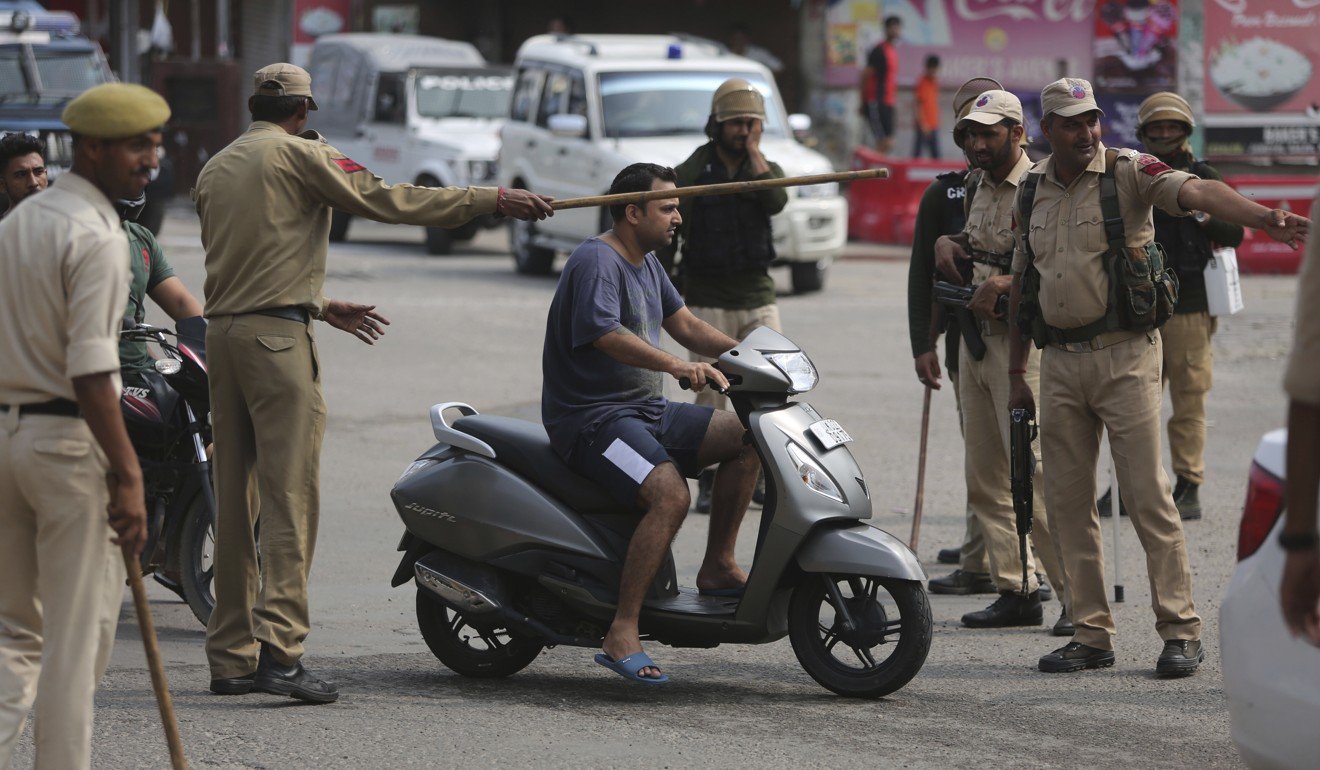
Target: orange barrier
885,211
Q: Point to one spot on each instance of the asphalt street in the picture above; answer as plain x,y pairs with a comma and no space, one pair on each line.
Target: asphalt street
466,328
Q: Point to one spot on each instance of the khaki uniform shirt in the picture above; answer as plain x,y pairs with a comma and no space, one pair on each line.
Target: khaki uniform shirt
265,202
63,284
990,218
1068,230
1303,379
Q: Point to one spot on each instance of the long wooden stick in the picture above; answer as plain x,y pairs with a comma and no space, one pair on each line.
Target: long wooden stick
921,472
719,189
158,683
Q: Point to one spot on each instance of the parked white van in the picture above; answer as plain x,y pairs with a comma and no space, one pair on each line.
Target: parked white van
585,106
412,109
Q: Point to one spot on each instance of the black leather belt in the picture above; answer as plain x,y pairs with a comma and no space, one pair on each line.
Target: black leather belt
289,313
59,407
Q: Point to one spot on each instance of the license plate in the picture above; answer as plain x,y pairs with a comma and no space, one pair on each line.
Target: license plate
829,433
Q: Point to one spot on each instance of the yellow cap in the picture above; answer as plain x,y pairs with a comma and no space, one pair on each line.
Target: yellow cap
737,98
283,79
1165,105
116,111
1067,97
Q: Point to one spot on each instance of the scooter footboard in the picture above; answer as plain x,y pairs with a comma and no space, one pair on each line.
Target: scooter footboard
859,550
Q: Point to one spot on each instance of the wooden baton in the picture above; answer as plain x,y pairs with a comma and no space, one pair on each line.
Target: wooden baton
921,471
719,189
158,683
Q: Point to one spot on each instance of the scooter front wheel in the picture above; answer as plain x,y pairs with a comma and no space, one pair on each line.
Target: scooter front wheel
472,647
859,636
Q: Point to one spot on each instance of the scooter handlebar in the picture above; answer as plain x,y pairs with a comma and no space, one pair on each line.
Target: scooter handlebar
686,383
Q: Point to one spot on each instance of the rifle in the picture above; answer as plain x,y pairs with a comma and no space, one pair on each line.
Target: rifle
1022,467
956,298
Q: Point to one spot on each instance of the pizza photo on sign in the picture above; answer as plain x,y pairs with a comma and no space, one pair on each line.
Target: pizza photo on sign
1259,73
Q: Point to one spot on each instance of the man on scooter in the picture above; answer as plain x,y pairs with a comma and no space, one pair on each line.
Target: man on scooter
604,408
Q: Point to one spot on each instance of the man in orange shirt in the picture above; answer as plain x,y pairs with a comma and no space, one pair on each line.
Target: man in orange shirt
928,110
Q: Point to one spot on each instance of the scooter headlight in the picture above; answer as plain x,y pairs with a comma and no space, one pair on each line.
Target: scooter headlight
814,476
167,366
797,368
416,466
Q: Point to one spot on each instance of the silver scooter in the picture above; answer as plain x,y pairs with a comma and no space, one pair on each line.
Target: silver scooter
512,551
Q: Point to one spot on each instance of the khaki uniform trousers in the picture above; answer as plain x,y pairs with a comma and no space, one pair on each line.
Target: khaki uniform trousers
971,556
269,418
61,583
1188,366
737,323
1116,388
983,390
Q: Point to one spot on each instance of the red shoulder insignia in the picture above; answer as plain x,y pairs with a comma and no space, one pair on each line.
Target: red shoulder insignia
348,165
1152,165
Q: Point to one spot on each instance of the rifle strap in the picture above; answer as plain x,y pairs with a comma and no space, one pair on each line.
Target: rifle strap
1026,200
972,182
1109,208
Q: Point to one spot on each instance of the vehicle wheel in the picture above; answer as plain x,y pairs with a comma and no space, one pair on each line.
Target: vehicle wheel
483,649
466,232
439,241
528,258
892,616
339,225
197,558
807,277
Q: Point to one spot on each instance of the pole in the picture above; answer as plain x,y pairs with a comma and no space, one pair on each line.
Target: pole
158,683
921,471
719,189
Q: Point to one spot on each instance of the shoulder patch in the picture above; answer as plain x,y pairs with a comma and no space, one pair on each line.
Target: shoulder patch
1152,165
348,165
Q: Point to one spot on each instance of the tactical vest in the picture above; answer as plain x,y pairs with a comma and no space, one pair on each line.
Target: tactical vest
1142,289
1184,241
728,233
1001,261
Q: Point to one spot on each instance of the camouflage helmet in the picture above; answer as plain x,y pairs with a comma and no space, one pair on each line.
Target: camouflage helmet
737,98
1165,105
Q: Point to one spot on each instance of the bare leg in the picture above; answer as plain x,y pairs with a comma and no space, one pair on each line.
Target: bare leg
734,482
665,499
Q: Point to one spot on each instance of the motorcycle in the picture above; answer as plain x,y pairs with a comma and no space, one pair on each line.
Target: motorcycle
512,551
168,420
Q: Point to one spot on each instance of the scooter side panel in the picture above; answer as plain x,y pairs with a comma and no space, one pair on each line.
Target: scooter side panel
475,508
859,550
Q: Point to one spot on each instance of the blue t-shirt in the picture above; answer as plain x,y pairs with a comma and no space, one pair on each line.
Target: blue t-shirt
600,291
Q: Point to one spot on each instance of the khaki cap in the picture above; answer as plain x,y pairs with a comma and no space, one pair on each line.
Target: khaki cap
1165,105
737,98
283,79
116,111
992,107
1067,97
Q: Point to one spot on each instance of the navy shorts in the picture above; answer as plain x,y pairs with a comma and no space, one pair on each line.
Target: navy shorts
625,449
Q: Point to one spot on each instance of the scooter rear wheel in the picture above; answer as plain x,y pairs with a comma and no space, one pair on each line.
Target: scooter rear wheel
882,652
472,647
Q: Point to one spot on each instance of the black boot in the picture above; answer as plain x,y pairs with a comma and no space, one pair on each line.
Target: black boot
1180,657
961,583
1064,625
237,685
1186,498
294,681
949,556
1074,656
1046,593
1106,505
1010,609
705,483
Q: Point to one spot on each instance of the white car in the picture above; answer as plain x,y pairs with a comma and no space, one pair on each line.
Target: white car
585,106
1271,679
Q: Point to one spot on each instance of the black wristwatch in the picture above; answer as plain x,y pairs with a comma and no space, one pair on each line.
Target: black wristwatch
1299,541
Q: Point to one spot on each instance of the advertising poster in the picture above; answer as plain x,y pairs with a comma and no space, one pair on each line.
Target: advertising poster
1262,93
1023,44
1136,46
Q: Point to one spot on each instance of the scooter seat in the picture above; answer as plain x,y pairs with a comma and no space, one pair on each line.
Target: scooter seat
524,448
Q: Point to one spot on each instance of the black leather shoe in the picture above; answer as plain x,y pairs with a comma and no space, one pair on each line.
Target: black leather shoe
1075,657
1106,505
1010,609
1181,657
238,685
962,583
1046,593
1063,626
705,483
1186,497
949,555
294,681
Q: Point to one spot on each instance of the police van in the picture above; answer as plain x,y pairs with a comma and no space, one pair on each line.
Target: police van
585,106
413,109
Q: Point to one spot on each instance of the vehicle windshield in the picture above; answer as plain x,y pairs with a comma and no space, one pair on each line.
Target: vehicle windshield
672,103
62,74
472,94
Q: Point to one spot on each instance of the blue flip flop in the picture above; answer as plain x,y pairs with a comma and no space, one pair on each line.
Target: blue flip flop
729,593
629,666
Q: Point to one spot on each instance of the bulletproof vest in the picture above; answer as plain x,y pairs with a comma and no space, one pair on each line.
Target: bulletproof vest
1184,241
1142,289
728,233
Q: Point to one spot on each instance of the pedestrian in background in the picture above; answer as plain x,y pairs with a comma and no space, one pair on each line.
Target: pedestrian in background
928,110
23,163
879,85
65,456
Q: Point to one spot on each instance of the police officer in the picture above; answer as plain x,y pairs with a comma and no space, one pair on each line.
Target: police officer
1083,222
726,240
65,457
265,205
993,136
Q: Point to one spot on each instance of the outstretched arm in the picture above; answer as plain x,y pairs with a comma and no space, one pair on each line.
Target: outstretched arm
1219,200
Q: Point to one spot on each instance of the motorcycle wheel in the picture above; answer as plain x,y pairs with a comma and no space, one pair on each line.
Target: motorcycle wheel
485,650
197,558
891,616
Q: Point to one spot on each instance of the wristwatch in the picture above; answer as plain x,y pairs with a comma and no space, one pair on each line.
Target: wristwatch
1299,541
